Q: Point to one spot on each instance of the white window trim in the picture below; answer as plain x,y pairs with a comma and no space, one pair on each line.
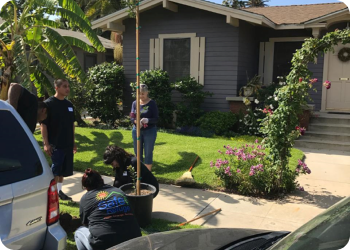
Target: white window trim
197,53
267,52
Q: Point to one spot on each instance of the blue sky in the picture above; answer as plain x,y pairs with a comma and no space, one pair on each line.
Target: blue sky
290,2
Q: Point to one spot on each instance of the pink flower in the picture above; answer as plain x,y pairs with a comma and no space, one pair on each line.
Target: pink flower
256,141
302,131
238,170
301,188
251,173
312,81
211,164
327,84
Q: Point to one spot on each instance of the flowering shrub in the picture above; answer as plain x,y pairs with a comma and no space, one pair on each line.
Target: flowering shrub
250,171
280,127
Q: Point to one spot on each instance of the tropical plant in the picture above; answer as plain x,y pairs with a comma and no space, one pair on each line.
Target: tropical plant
236,4
98,8
257,3
32,49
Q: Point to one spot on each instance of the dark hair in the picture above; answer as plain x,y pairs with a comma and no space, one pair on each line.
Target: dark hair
114,152
42,105
91,179
58,82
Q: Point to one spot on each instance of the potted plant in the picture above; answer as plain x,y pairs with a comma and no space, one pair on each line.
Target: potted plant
142,204
252,87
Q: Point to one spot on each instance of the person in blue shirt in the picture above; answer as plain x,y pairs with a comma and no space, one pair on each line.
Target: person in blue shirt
149,119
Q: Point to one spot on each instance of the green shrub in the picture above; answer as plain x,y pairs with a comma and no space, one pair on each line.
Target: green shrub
218,122
160,91
105,96
188,111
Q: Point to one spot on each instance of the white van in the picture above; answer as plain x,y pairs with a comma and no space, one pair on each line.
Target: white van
29,208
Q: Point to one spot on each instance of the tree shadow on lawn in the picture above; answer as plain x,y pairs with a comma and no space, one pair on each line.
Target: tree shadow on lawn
97,146
182,165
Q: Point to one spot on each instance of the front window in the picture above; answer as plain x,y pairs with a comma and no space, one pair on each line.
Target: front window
177,58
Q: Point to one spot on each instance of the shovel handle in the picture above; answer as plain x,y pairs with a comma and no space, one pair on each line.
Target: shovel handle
193,163
212,212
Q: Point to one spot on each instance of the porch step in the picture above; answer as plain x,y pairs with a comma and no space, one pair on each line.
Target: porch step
322,144
329,127
331,119
326,136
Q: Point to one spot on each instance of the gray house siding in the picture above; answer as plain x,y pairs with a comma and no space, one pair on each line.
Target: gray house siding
248,61
221,51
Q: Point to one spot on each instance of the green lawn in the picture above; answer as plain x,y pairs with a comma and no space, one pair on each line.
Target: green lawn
157,225
173,154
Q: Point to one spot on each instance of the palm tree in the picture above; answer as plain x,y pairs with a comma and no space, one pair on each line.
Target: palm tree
236,4
98,8
257,3
31,49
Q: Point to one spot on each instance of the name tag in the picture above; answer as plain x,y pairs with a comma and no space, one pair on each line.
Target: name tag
125,173
70,109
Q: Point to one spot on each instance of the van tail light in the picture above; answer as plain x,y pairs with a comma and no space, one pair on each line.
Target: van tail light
53,212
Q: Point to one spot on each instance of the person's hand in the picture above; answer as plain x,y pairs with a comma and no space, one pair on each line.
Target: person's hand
74,148
144,121
48,150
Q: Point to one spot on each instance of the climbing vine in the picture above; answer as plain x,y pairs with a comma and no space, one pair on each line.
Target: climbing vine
281,126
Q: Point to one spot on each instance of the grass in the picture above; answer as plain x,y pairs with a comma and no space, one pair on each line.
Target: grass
157,225
173,154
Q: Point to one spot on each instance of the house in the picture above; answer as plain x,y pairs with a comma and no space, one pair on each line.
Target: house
222,46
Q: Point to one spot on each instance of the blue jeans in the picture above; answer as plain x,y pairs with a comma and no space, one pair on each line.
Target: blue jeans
148,139
82,238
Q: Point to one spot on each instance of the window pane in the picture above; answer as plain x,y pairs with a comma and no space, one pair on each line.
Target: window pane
18,158
90,60
177,58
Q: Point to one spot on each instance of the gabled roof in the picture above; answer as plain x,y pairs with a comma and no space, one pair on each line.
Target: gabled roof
297,14
109,21
277,17
108,44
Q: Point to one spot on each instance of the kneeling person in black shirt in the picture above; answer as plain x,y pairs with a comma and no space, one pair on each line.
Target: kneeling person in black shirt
27,105
105,214
120,160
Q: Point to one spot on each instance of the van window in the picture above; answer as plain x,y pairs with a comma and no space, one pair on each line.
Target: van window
18,158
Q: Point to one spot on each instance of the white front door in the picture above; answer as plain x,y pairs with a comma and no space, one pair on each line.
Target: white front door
338,96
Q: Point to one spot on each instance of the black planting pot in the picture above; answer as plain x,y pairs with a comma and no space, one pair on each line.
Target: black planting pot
141,205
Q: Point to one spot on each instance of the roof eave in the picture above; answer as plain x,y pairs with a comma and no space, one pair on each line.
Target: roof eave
119,16
328,16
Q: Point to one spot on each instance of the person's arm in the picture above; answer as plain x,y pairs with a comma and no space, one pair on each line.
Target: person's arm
74,145
82,214
14,94
133,113
155,113
44,134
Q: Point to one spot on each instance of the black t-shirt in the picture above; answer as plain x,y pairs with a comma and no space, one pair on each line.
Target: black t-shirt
27,108
59,122
122,175
108,215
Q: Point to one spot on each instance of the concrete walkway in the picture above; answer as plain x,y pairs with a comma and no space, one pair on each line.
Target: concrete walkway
328,183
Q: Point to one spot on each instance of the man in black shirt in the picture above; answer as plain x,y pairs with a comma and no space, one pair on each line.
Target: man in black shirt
27,105
58,134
